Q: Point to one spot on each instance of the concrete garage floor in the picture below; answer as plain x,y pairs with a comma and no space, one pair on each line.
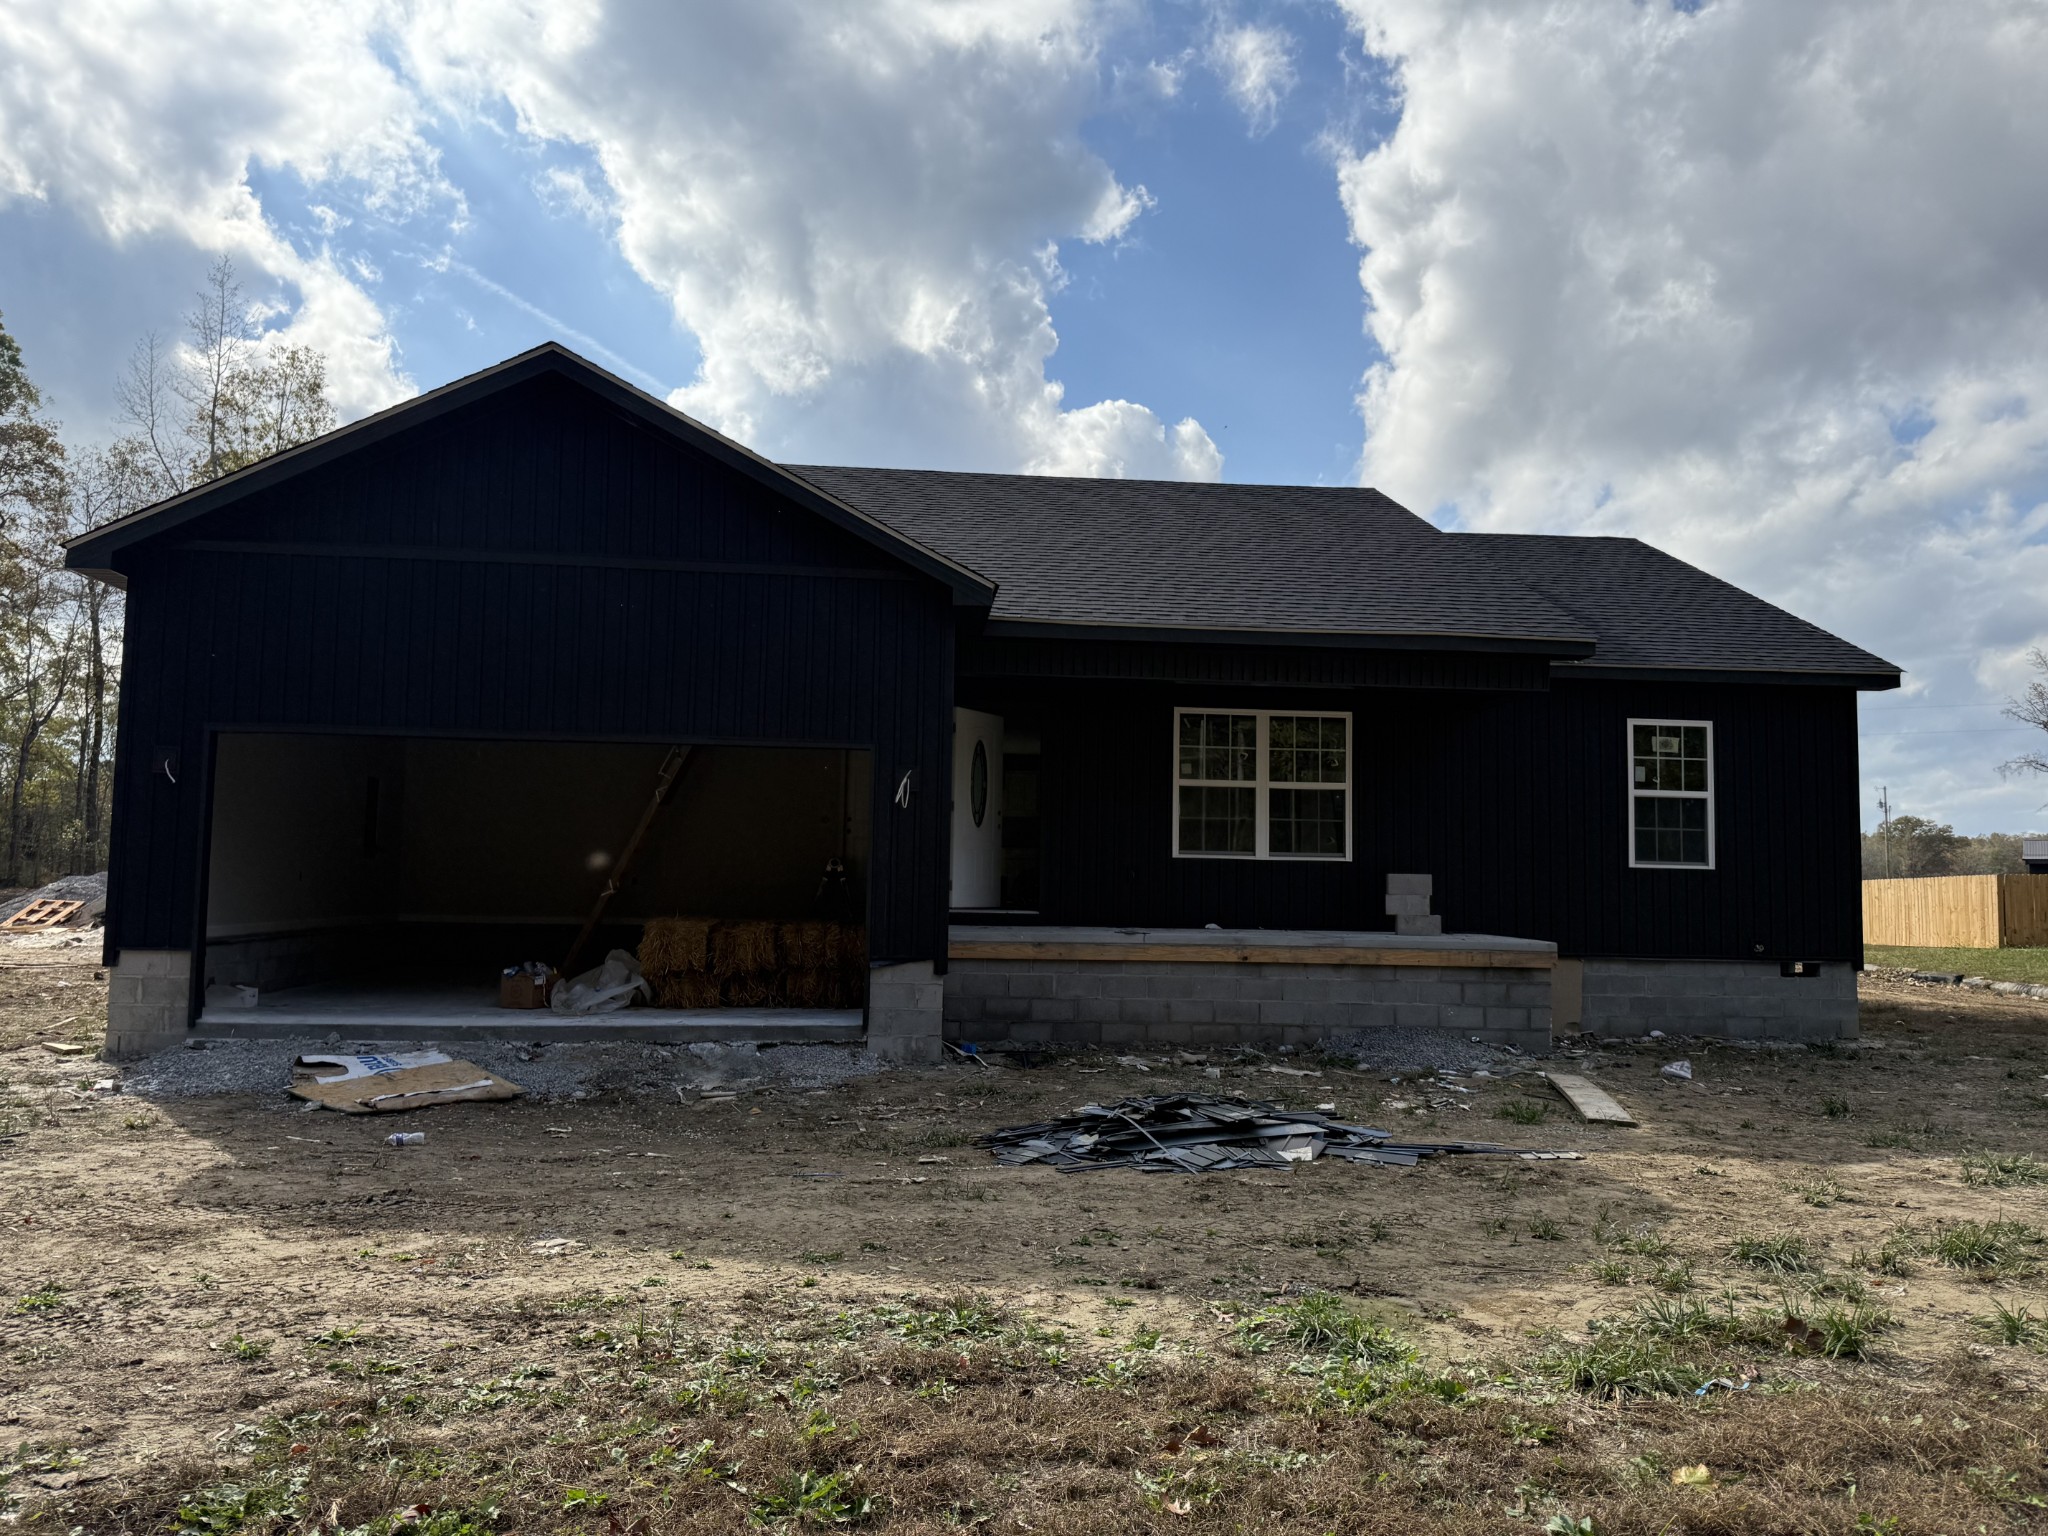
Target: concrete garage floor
459,1011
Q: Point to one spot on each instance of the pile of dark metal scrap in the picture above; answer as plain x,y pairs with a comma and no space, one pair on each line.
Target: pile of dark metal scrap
1194,1133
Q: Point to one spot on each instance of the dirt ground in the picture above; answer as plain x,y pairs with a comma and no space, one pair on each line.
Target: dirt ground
171,1269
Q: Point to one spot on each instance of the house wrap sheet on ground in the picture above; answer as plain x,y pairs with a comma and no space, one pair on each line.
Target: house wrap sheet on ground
1084,760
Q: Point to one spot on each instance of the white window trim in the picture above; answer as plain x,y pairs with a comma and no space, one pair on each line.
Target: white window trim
1628,774
1262,785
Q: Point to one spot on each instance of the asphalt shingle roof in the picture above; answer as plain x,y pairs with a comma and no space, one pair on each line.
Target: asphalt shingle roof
1650,609
1316,560
1168,554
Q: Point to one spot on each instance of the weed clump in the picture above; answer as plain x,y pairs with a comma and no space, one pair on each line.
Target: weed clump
1786,1254
1984,1245
2003,1170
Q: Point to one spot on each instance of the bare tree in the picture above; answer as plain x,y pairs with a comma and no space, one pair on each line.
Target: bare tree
2030,708
148,404
214,383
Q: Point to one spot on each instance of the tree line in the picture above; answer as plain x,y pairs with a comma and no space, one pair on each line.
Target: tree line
1909,847
191,409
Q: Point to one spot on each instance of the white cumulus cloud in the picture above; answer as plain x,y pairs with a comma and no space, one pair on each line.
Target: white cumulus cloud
142,120
855,213
1760,282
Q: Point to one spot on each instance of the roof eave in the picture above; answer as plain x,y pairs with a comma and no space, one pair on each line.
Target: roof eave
1873,680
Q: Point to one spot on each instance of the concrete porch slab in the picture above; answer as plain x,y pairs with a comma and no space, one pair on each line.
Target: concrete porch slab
463,1013
1248,946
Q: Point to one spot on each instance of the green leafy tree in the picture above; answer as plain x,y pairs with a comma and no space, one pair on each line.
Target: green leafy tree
1911,846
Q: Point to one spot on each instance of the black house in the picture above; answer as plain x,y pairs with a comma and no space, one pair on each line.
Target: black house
1112,761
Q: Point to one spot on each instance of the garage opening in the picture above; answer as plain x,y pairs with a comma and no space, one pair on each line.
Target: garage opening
366,882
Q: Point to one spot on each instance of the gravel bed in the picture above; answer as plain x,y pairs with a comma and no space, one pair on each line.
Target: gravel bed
1417,1050
574,1070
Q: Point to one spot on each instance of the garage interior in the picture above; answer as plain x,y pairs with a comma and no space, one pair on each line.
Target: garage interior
389,882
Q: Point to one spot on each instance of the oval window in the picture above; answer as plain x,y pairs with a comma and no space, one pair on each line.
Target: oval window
977,783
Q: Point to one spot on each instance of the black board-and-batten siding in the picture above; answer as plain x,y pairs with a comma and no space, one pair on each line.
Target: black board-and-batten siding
537,567
1516,802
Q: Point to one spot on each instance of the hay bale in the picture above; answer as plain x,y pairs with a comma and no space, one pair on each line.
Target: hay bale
748,992
742,949
803,946
811,987
685,989
674,946
850,981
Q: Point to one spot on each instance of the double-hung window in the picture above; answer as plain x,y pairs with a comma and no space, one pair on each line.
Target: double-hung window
1260,784
1671,794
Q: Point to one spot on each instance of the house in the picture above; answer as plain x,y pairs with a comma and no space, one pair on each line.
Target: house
1113,761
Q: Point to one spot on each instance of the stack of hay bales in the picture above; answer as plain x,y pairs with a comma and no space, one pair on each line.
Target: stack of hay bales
700,962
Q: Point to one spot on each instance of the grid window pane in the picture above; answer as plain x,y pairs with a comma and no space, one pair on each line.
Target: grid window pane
1306,749
1670,830
1217,820
1669,757
1219,747
1308,823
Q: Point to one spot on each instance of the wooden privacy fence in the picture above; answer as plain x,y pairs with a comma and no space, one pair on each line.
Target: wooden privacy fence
1957,912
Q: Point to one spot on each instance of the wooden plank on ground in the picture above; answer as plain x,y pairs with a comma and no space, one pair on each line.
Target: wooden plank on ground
1596,1106
44,912
1240,954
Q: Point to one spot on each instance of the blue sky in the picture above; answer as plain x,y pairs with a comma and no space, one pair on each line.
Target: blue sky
1751,282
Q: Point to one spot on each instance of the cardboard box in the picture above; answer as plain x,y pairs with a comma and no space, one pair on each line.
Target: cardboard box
523,989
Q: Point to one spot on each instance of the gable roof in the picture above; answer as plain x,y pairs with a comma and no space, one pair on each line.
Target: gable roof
1307,564
1654,612
93,551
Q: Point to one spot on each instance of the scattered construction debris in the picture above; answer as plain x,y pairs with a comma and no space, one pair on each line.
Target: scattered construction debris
1596,1106
1194,1133
45,912
395,1080
73,901
63,1048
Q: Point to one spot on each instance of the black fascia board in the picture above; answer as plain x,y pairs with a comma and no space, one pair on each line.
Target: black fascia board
93,551
1025,629
1863,682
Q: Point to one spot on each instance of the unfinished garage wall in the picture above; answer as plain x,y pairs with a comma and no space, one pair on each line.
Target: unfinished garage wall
304,853
526,832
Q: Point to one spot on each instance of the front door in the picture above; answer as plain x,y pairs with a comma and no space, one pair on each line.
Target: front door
977,809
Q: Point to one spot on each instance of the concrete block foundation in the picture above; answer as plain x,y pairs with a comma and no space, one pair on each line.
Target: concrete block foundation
149,1002
905,1012
1727,999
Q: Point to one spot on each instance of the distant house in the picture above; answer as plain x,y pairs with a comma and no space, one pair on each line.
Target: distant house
2034,853
1092,761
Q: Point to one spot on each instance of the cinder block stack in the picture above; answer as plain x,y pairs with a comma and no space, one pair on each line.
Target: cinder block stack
1408,905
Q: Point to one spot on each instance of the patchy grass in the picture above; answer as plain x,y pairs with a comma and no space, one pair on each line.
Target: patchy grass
1524,1111
2003,1170
1995,964
956,1415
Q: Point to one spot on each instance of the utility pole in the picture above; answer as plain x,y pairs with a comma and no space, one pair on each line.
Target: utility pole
1884,806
